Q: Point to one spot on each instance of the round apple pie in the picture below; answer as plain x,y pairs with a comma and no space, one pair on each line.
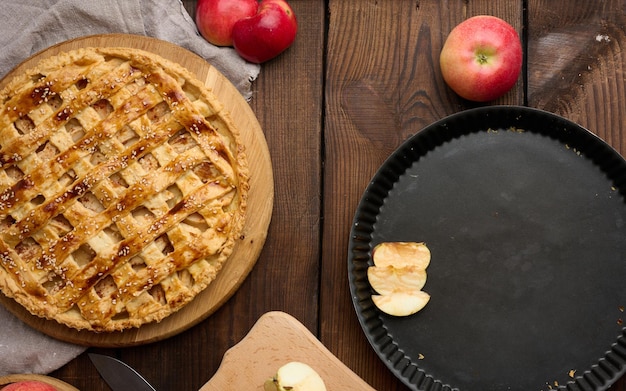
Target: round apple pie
123,188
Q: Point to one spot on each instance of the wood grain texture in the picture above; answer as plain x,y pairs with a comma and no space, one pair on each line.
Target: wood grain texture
577,60
315,104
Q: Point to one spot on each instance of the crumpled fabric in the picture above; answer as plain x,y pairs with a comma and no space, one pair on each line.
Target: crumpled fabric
28,27
26,350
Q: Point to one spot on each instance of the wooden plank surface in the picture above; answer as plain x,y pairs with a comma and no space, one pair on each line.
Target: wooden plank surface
361,77
576,62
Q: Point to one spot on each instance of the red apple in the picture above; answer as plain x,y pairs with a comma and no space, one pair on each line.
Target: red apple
29,385
215,18
267,34
481,58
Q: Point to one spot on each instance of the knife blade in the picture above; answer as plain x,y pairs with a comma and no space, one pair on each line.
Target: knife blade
118,375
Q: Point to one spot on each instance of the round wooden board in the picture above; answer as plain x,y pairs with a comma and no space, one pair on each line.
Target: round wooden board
56,383
260,201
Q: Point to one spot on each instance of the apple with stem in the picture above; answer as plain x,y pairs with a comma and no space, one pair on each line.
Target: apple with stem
263,36
215,18
481,58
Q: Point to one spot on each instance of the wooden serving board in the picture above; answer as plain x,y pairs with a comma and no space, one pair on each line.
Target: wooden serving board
276,339
260,201
56,383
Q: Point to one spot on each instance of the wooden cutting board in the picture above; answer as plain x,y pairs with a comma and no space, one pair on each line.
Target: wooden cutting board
260,201
56,383
276,339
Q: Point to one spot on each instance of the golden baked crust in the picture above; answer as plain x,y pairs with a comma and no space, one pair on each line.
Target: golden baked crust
122,189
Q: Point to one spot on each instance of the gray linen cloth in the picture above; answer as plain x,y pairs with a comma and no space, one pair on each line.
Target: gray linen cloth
29,26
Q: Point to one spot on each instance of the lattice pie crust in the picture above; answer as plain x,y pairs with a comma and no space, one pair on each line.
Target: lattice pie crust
122,190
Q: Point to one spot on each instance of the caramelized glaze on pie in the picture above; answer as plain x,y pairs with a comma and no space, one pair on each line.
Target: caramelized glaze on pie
122,189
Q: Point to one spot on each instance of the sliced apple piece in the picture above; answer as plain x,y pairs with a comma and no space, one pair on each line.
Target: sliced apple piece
388,279
400,254
400,303
295,376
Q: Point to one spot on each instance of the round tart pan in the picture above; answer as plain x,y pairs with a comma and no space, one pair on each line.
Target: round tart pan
525,217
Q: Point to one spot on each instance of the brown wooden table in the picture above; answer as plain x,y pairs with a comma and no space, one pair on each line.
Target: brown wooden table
316,105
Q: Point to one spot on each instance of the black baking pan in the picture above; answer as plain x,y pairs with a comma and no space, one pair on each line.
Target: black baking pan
524,214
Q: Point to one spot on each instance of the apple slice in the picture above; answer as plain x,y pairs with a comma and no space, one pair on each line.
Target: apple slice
401,254
389,279
398,276
400,303
295,376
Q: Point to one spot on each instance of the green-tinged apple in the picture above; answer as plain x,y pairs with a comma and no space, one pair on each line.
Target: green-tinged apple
215,18
482,58
29,385
271,31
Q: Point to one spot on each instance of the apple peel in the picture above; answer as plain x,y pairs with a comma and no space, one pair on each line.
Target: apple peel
215,18
481,59
263,36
